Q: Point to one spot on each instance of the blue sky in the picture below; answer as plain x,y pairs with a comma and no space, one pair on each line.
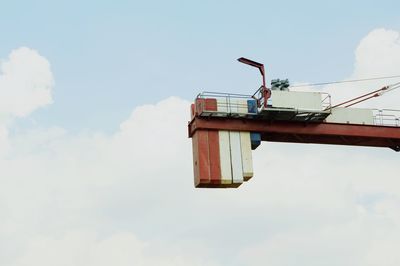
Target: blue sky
108,57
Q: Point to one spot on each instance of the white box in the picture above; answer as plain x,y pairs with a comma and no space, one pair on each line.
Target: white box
351,116
296,100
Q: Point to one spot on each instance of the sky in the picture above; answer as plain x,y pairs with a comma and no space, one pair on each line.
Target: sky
95,161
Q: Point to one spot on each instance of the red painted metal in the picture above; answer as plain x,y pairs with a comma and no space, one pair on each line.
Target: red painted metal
265,92
199,106
300,132
215,162
213,146
206,153
254,64
266,95
201,159
192,111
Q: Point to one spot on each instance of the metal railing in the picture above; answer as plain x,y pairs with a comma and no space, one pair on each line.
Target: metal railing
259,97
236,104
230,104
386,117
326,102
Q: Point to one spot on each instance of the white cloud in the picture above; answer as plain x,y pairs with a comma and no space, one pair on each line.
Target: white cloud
3,140
138,183
86,248
128,199
368,238
377,55
26,82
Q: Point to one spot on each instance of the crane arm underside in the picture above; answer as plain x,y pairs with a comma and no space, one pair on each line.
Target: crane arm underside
303,132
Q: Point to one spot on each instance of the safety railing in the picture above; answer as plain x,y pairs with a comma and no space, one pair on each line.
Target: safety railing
326,102
243,104
225,104
258,95
386,117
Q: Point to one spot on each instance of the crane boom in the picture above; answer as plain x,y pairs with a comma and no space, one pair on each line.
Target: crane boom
303,132
225,127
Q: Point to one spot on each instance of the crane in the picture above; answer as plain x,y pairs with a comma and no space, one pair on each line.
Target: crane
226,127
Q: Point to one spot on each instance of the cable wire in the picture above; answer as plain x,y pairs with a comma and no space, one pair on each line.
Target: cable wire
346,81
369,95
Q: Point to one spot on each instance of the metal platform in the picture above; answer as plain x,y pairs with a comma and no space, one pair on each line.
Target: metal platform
234,106
229,105
283,114
387,117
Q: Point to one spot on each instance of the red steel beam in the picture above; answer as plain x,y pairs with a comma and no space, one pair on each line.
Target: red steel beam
301,132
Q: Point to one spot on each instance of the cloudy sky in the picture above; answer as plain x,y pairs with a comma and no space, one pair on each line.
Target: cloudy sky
95,163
